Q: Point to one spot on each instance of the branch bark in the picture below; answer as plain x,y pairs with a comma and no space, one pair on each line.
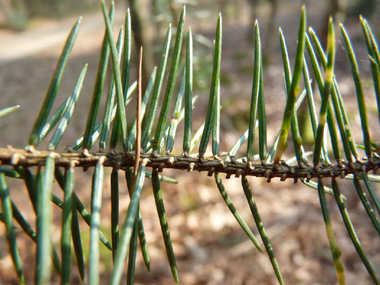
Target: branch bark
28,158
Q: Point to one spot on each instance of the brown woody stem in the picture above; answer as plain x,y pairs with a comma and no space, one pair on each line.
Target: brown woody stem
27,158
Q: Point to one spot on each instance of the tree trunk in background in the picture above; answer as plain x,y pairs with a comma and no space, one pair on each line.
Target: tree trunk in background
37,8
174,11
157,9
253,7
55,8
271,31
141,40
336,9
366,8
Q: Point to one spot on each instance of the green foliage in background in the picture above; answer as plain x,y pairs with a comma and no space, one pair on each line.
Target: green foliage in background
148,144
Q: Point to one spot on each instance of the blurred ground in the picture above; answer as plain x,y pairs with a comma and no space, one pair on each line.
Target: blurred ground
208,243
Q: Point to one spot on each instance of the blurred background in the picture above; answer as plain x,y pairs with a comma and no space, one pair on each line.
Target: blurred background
209,245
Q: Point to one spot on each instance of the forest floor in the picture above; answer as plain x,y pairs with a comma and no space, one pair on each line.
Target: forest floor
209,245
